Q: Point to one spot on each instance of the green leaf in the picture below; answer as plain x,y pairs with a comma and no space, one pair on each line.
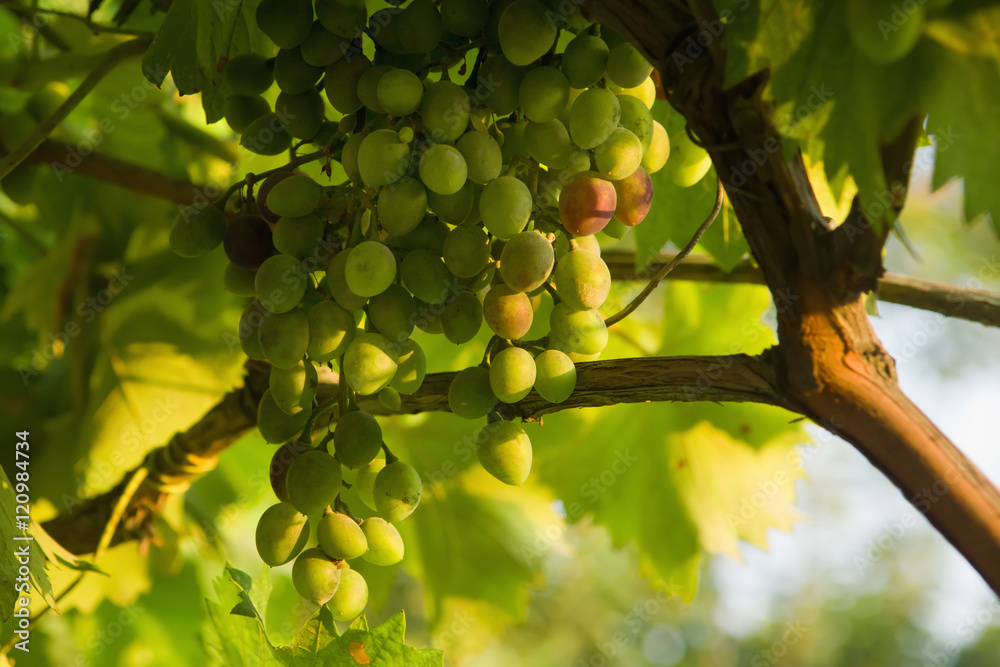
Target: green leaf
314,636
14,539
381,646
760,34
240,640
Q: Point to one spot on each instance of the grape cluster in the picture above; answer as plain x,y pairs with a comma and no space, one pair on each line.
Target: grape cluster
469,195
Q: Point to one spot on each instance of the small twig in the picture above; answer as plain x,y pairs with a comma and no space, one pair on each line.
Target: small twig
18,8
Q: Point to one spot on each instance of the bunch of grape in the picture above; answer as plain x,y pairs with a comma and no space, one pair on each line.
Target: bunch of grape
469,196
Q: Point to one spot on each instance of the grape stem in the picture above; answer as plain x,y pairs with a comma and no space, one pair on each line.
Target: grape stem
389,456
451,56
669,266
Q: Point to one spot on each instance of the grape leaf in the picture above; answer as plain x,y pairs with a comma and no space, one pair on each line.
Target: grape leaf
381,646
760,34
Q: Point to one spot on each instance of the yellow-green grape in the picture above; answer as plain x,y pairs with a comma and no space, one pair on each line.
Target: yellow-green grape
466,250
397,491
340,82
619,155
555,376
275,425
364,483
420,26
357,439
313,481
505,205
462,318
340,537
293,389
464,17
525,31
637,119
349,157
351,596
266,136
248,74
385,546
401,206
393,312
399,92
505,452
412,367
343,18
298,237
285,22
500,81
579,331
284,338
584,61
320,47
876,31
278,469
281,283
544,93
197,230
549,143
659,150
511,141
593,117
507,313
482,154
302,115
390,399
293,74
454,208
249,330
582,280
315,576
429,235
627,67
443,169
239,281
614,229
282,532
444,111
385,30
512,374
688,162
370,268
241,110
564,245
382,158
368,87
294,196
369,363
470,395
331,330
426,276
526,261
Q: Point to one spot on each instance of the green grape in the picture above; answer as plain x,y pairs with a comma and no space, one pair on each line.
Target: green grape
390,399
385,546
298,236
466,250
555,376
455,208
659,150
274,424
420,27
248,74
315,576
285,22
302,115
512,374
385,30
249,330
281,283
462,318
586,203
406,134
399,92
584,60
401,206
370,269
470,395
278,469
294,196
340,537
593,117
265,189
197,230
512,144
505,205
614,229
507,313
293,389
397,491
619,155
627,67
525,31
357,440
392,313
505,452
241,110
526,261
368,85
364,484
444,111
637,119
465,18
239,281
544,93
349,158
266,136
341,82
293,74
426,276
331,330
320,47
582,280
877,35
635,196
412,367
482,154
443,169
580,331
645,92
690,162
344,18
549,143
284,338
428,235
369,363
565,244
351,597
382,158
313,481
282,532
499,83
